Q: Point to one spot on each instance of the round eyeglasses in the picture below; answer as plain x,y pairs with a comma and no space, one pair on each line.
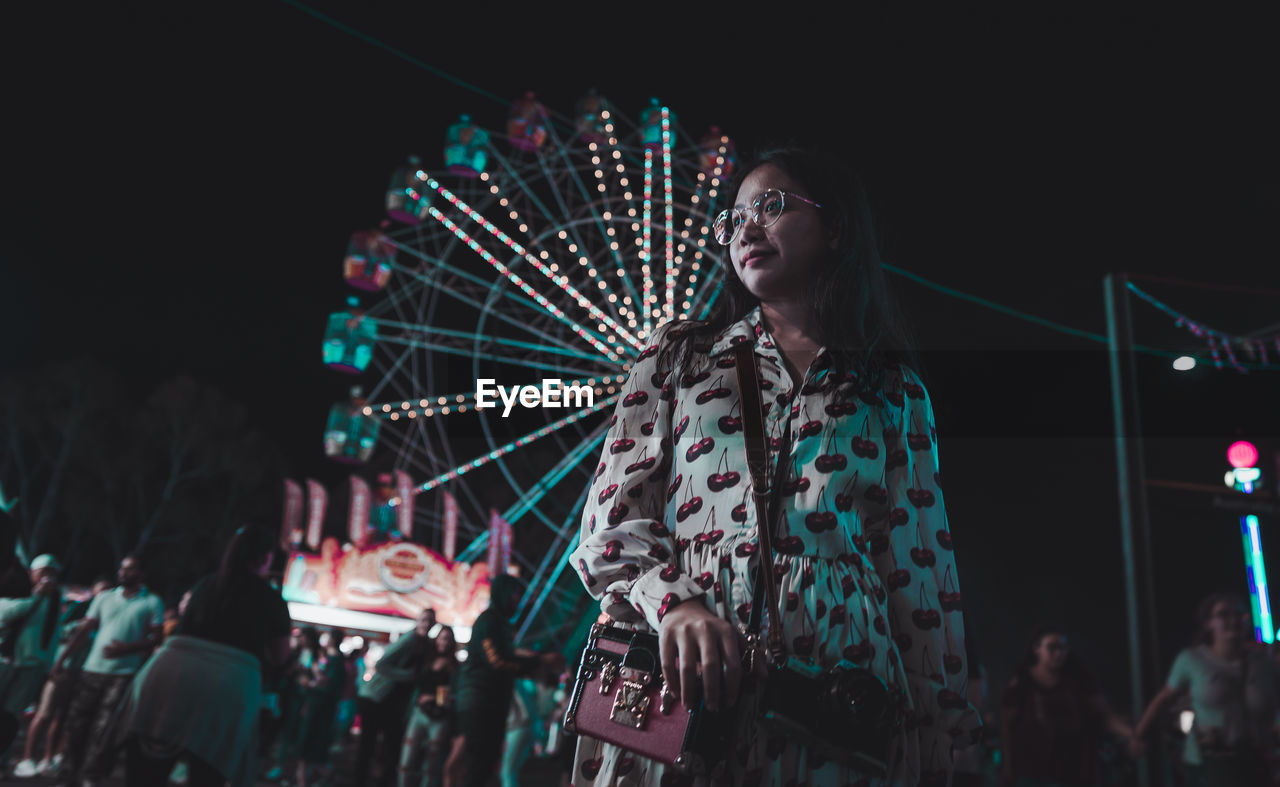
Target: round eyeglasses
765,210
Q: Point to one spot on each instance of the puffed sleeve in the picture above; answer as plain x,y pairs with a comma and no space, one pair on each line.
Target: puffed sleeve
626,553
928,609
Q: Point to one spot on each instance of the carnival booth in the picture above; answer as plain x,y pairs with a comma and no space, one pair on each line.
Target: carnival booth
374,583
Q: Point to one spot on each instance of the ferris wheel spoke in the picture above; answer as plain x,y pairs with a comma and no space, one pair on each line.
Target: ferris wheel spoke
514,444
460,402
472,336
668,217
482,284
568,535
589,336
527,502
411,343
488,288
548,585
553,476
536,239
561,282
387,370
588,200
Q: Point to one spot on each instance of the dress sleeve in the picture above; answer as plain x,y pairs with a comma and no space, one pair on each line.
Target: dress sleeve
626,553
928,609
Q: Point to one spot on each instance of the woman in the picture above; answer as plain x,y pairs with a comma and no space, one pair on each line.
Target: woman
864,552
1234,695
197,699
322,686
1053,716
431,716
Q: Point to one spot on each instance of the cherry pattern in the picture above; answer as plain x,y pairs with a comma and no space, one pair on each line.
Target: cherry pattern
863,552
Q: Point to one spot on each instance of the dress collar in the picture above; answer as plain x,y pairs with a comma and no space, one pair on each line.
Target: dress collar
749,329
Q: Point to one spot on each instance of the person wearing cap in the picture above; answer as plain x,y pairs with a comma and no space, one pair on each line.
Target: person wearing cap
30,635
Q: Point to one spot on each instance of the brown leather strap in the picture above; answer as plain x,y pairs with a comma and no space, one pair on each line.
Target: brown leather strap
758,462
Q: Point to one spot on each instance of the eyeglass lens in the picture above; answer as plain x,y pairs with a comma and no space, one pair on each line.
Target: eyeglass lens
765,210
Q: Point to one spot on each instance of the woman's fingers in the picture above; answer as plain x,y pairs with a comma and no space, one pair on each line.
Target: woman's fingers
669,655
688,666
692,640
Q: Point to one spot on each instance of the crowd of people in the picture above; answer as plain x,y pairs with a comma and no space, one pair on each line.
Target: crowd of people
224,688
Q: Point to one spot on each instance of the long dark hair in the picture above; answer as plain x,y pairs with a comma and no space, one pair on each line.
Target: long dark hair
858,319
243,555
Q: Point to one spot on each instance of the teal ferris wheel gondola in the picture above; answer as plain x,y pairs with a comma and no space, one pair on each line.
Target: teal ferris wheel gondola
349,340
407,202
465,146
351,431
591,114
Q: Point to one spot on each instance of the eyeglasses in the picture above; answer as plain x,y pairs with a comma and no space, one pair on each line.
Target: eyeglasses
765,210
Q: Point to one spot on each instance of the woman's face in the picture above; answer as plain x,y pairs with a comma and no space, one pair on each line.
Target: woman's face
1051,651
1225,622
444,641
778,261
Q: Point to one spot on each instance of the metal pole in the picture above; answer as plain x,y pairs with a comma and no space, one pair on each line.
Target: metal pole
1144,663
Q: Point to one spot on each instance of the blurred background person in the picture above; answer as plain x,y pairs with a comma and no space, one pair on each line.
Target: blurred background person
524,723
29,639
486,684
283,706
322,688
1053,718
1234,695
431,716
197,699
347,705
47,728
383,701
121,627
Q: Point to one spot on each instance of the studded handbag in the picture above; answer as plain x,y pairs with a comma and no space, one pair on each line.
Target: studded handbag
620,697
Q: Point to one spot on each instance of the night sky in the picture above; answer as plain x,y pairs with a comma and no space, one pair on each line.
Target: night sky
181,185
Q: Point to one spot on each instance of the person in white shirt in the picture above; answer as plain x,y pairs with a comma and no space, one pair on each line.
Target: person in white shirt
1235,696
128,621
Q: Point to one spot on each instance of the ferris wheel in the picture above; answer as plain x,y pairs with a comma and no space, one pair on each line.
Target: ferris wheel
496,313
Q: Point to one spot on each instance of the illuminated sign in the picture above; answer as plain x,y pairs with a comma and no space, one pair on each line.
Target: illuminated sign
391,578
1242,453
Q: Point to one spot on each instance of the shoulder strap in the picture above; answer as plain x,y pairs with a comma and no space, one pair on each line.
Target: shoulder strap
762,492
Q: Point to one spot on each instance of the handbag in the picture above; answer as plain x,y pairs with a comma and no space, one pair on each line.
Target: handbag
620,697
846,714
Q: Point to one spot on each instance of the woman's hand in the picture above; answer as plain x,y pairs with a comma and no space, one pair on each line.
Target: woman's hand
691,636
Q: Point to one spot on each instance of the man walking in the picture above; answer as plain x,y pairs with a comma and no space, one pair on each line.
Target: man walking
383,700
127,621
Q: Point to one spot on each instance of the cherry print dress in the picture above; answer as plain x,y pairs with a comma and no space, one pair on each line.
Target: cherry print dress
863,551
